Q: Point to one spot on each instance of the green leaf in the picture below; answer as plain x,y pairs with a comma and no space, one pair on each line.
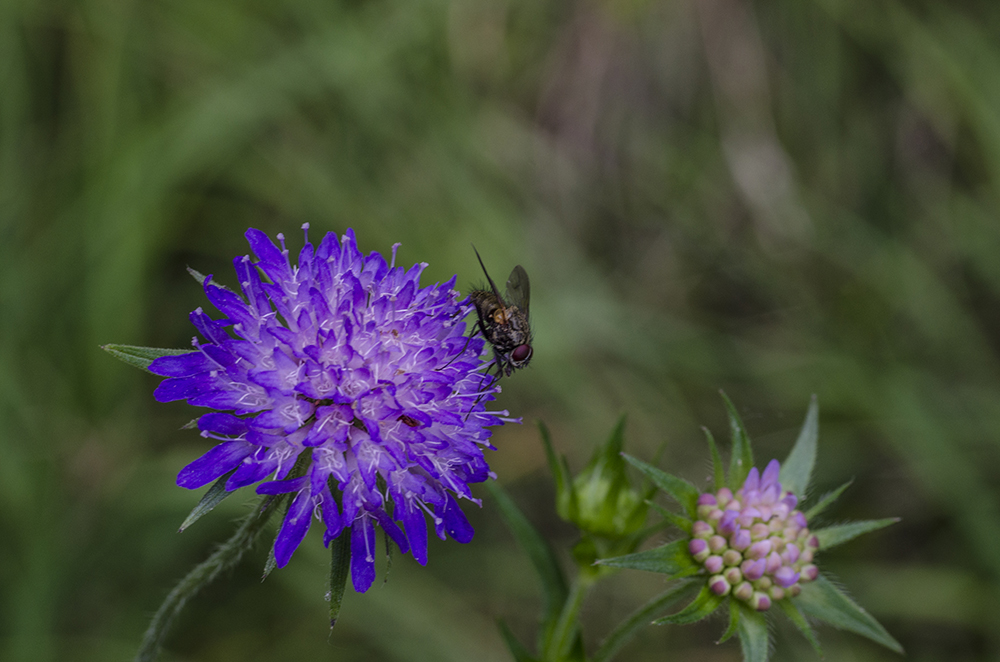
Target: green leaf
823,600
832,536
752,630
718,471
742,453
140,357
797,469
734,622
270,564
340,562
638,620
681,522
684,492
827,499
799,621
543,559
671,559
565,494
701,607
212,498
516,648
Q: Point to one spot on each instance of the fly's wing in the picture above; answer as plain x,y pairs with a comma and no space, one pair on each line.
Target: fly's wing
496,292
519,289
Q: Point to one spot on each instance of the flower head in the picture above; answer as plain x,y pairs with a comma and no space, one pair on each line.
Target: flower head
754,540
346,368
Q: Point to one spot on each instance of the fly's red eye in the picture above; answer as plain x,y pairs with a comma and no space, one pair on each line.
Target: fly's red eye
521,353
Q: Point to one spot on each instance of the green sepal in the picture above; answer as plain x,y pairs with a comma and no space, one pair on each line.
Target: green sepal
752,630
835,535
824,601
566,505
742,453
516,648
197,275
681,522
340,562
797,468
554,586
672,559
684,492
212,498
734,622
718,470
826,500
701,607
141,357
798,619
270,564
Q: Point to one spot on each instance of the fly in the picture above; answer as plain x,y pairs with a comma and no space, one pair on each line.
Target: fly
504,321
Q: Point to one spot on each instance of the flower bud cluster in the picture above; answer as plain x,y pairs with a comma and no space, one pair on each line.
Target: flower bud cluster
754,544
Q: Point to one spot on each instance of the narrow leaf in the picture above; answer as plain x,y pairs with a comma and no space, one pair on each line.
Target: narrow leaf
543,559
684,492
640,619
215,495
671,559
752,629
823,600
734,622
702,606
797,469
799,621
270,564
197,275
832,536
516,648
340,563
140,357
681,522
826,500
565,495
718,471
742,453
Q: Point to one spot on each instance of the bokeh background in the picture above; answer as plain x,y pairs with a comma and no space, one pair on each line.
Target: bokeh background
775,198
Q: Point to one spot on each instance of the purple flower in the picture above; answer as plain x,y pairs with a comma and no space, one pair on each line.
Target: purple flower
346,366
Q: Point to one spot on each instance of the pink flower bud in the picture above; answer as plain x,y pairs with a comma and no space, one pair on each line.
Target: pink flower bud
759,531
724,496
699,549
786,576
702,530
719,585
740,540
733,575
717,543
760,601
753,570
809,573
759,549
773,563
732,557
776,593
743,591
713,564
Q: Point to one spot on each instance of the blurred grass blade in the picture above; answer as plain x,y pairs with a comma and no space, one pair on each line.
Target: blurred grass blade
754,637
702,606
826,500
543,559
822,600
639,619
682,491
841,533
516,648
340,563
742,454
734,622
797,468
799,621
140,357
212,498
565,494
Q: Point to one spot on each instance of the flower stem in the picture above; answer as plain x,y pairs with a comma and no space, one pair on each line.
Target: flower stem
568,626
225,557
638,620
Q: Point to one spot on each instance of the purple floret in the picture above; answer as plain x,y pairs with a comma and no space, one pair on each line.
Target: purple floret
345,358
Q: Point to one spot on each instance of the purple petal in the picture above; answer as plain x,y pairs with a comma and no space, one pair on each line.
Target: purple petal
182,388
455,523
219,460
771,473
294,528
181,365
222,423
282,486
416,530
391,530
753,480
362,554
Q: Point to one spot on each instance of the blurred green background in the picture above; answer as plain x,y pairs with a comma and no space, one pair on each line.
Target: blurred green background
775,198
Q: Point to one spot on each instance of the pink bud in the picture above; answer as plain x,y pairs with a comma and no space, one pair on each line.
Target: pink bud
707,499
773,563
724,496
733,575
759,531
719,585
744,591
713,564
702,530
732,557
760,601
717,543
776,593
753,570
809,573
786,576
699,549
759,549
740,540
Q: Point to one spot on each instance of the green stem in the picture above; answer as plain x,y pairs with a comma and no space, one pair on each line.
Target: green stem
638,620
225,557
568,626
